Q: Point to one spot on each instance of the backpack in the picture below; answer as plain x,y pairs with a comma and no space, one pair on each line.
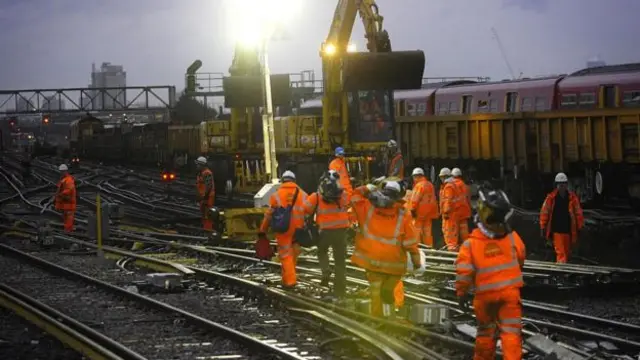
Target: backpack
281,216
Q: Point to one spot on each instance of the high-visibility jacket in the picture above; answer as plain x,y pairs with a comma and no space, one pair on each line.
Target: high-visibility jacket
204,185
423,200
65,198
329,215
340,167
396,166
448,199
384,238
464,199
575,213
282,198
489,264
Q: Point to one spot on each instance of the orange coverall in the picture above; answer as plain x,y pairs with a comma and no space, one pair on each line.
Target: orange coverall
494,267
340,167
206,196
562,242
287,251
65,201
385,237
448,209
464,208
424,204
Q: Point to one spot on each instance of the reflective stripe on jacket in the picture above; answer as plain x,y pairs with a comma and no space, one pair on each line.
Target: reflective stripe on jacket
282,198
329,215
448,199
65,198
423,200
463,200
575,213
489,264
204,184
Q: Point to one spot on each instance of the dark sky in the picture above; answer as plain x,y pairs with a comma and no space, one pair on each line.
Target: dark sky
52,43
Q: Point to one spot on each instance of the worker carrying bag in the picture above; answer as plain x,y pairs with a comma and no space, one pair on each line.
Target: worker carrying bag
309,235
281,216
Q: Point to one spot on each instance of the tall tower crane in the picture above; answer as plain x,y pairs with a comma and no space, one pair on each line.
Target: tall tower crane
504,54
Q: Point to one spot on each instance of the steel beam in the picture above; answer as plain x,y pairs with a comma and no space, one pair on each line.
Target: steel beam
70,100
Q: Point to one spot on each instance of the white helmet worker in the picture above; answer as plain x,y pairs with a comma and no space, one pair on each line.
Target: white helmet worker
417,171
456,172
445,172
561,178
201,160
392,144
63,167
288,176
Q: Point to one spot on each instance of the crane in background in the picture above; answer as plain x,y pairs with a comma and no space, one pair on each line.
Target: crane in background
502,52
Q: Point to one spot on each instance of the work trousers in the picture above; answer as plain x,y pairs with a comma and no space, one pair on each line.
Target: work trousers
463,230
500,309
205,205
288,254
398,294
562,244
67,220
450,233
424,229
382,287
335,239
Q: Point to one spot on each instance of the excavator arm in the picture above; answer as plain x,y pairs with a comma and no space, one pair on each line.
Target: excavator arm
348,76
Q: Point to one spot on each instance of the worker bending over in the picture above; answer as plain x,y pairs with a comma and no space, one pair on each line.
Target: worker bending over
448,209
396,165
491,261
385,237
206,192
423,206
338,165
561,218
330,206
65,198
463,212
285,215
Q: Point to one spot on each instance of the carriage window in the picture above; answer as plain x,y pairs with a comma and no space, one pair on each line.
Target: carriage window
527,104
569,100
483,106
443,108
411,109
466,104
587,99
541,104
453,107
631,98
422,109
493,105
512,102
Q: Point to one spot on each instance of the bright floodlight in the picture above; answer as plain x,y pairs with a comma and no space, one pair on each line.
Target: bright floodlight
351,48
329,49
255,20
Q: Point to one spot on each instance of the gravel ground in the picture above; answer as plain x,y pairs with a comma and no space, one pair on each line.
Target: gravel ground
21,340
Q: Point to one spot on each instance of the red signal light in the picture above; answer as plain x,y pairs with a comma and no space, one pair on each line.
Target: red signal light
172,176
165,176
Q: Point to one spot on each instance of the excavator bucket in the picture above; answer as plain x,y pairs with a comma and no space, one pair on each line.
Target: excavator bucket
399,70
247,91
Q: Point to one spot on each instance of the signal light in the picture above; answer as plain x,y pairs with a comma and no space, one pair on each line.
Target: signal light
167,176
46,119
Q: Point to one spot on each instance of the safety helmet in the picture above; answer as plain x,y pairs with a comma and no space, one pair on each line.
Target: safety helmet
201,160
333,175
417,171
339,151
393,190
392,144
444,172
63,167
288,176
561,178
456,172
330,188
493,206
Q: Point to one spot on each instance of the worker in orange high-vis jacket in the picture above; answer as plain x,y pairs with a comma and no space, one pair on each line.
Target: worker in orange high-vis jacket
423,206
448,209
330,205
288,194
65,198
463,212
491,262
561,218
206,192
396,165
386,236
338,165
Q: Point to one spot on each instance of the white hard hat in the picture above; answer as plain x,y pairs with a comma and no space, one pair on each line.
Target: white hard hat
445,172
288,175
561,178
456,172
201,160
393,185
63,167
417,171
392,143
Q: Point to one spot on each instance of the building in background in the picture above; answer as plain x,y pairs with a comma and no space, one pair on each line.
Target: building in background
108,76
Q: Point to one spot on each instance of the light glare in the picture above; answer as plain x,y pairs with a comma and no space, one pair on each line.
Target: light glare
351,48
253,20
330,49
